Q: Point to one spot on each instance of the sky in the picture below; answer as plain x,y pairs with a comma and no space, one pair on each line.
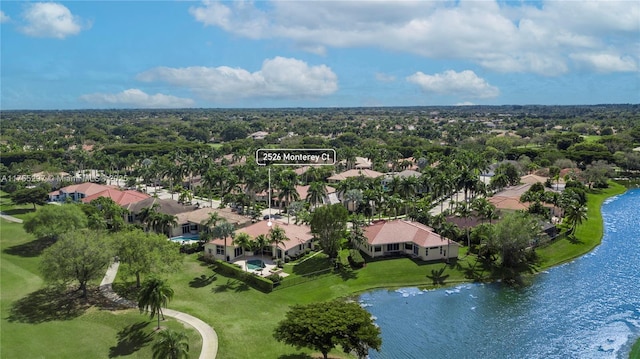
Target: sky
264,54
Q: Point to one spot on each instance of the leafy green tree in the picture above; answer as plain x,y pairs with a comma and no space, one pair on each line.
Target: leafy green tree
171,345
154,294
81,255
329,224
144,253
324,326
34,196
514,237
110,212
52,221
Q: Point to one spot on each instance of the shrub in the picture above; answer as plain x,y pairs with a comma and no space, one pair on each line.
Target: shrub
262,284
275,278
355,258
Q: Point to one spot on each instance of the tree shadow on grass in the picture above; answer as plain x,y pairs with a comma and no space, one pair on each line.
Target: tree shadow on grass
30,249
437,276
242,287
48,304
231,284
347,273
202,281
295,356
312,266
131,339
18,211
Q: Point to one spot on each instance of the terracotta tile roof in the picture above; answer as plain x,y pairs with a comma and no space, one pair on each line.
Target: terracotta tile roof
532,179
355,173
503,202
401,231
304,190
297,234
87,188
122,198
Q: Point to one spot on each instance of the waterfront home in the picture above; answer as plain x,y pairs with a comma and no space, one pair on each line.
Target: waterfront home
299,238
402,237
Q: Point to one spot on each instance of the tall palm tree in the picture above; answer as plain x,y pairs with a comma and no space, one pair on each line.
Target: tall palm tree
224,230
171,345
354,198
287,192
448,230
574,214
154,294
209,224
243,240
165,222
316,193
464,210
261,242
277,236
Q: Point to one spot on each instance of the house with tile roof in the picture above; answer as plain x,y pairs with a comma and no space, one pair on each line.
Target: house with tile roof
190,223
299,239
164,206
88,191
338,177
401,237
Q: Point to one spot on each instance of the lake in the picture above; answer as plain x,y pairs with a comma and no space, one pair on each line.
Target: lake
588,308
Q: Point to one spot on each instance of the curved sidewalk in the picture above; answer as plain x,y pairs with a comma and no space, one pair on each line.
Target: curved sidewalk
209,336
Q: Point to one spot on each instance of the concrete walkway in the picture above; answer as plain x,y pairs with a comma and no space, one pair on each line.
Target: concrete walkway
10,218
209,336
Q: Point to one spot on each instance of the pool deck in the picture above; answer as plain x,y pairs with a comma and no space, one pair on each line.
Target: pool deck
270,266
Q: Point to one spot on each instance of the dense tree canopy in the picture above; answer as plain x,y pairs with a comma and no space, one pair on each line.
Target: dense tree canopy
329,225
81,255
51,221
324,326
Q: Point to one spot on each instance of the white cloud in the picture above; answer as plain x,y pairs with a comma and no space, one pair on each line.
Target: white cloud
4,17
462,84
501,36
50,20
603,62
137,98
385,77
278,78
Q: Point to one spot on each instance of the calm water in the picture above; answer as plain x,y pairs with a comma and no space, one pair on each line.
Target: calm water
589,308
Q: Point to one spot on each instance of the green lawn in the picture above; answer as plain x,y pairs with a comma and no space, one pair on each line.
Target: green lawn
588,234
590,138
40,322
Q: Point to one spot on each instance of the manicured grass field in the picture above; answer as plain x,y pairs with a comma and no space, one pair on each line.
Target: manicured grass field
40,322
588,234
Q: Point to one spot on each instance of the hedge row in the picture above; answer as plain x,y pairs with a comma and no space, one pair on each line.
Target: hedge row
231,270
355,258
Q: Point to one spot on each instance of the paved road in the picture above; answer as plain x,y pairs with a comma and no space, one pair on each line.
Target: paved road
209,336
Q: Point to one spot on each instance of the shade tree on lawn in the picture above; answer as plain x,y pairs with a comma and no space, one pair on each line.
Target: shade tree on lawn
324,326
81,255
143,253
52,221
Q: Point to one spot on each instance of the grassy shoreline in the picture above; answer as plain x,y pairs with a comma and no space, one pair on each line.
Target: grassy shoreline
635,350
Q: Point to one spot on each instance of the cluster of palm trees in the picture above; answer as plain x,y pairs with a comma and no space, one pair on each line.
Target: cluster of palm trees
156,221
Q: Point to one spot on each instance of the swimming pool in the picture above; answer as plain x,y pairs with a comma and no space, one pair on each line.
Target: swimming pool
186,238
255,264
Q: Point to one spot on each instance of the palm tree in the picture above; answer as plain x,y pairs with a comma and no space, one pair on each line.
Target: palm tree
448,230
243,240
316,193
148,216
574,214
463,210
261,242
154,294
224,230
287,191
353,197
277,236
165,222
171,345
209,224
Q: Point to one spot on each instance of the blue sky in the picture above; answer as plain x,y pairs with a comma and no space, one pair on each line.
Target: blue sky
175,54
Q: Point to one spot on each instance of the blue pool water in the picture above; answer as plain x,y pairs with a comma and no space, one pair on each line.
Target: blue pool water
186,238
255,264
588,308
